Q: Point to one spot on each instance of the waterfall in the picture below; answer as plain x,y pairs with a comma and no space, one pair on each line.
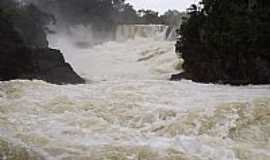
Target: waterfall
171,34
125,32
129,110
82,36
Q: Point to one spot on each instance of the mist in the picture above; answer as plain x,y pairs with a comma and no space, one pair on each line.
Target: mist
100,80
99,17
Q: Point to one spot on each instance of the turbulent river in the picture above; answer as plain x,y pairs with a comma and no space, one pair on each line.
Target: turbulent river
128,110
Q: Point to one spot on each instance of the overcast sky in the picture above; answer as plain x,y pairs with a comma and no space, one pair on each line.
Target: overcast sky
162,5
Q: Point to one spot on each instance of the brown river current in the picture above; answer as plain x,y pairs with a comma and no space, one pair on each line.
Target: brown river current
129,111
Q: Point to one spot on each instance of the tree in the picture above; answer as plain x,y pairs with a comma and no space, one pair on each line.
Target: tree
227,41
149,17
173,17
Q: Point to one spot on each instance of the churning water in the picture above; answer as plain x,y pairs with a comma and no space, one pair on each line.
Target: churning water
129,111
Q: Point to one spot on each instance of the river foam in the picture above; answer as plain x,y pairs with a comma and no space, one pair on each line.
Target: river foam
129,111
136,120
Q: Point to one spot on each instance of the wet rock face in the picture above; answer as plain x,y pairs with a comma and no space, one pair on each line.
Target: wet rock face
15,61
51,67
20,62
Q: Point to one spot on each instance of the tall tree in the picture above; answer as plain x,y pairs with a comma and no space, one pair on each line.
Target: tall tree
227,41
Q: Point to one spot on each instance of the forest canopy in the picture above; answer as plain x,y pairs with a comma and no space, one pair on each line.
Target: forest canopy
227,41
103,12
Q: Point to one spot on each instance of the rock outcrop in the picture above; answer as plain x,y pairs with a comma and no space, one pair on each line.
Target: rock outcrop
50,66
15,58
18,61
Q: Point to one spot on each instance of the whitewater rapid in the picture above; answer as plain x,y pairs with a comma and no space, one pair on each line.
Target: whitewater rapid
128,110
140,52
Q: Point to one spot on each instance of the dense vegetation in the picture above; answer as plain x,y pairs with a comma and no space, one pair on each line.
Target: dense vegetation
101,16
226,41
103,13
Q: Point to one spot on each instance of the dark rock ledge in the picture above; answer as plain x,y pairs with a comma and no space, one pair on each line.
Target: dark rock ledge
18,61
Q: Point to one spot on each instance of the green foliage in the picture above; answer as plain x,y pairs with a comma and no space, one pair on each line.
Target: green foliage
125,14
100,13
227,35
103,13
149,17
173,17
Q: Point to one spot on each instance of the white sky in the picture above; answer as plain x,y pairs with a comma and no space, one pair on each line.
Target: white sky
162,5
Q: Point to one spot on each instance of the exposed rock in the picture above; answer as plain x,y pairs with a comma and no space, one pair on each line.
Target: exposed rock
17,61
15,58
178,77
30,24
51,66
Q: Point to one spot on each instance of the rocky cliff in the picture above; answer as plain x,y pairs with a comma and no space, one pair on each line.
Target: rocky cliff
18,61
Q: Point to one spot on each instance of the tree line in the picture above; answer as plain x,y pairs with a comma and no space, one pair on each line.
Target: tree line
226,41
102,13
31,17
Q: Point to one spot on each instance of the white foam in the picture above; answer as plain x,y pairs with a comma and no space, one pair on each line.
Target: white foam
134,114
135,57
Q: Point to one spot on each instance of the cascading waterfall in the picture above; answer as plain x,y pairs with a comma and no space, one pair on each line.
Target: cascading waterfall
124,32
138,52
157,32
83,36
129,111
171,34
